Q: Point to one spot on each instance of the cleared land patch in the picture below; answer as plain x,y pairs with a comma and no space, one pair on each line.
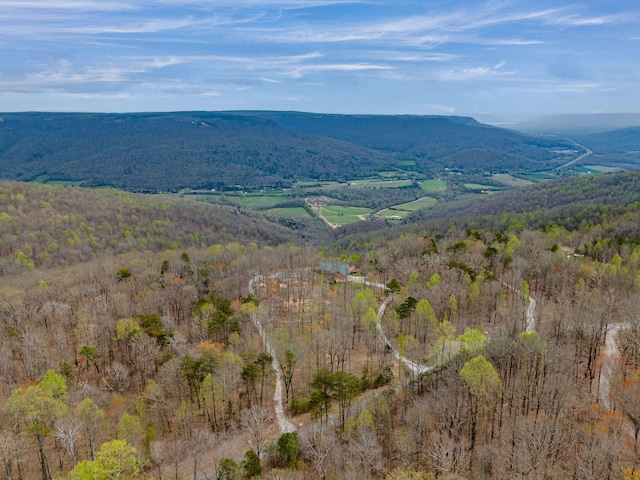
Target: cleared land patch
290,211
337,215
511,181
599,169
479,186
433,185
405,209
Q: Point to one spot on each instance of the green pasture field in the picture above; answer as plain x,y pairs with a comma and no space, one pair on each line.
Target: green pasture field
598,169
317,184
253,201
290,211
262,200
341,215
44,179
405,209
479,186
380,183
433,185
536,177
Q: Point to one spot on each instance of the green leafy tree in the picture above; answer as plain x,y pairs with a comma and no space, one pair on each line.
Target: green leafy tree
116,460
264,361
37,407
434,281
393,286
93,421
130,429
287,447
426,320
251,464
525,293
484,387
228,469
472,341
345,388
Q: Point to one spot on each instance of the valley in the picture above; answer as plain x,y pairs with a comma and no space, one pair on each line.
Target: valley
431,320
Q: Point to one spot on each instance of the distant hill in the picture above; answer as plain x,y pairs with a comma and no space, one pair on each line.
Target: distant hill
433,142
170,151
576,124
617,148
167,152
569,202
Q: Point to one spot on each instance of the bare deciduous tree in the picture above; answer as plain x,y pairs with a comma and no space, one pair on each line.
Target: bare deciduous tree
254,422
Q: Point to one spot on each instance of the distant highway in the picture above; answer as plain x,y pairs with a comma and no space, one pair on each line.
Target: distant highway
575,160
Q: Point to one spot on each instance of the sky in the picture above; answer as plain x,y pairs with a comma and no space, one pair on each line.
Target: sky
453,57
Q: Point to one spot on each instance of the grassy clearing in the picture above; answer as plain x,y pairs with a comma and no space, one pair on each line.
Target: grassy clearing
479,186
380,183
253,201
341,215
44,179
317,184
405,209
599,169
71,183
536,177
433,185
291,211
407,163
262,200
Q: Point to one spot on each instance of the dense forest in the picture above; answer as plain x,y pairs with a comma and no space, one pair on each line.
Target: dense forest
168,152
157,337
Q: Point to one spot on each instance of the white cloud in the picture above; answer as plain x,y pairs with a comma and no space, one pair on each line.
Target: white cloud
474,73
575,20
75,5
342,67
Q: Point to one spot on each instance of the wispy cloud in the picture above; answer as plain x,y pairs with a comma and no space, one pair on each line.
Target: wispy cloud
231,52
474,73
575,20
342,67
64,73
75,5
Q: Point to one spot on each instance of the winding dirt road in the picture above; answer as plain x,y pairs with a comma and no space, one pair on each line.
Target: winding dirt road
283,422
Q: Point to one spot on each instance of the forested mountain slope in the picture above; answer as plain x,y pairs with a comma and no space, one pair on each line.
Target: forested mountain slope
171,151
618,148
46,226
433,142
168,152
136,335
567,202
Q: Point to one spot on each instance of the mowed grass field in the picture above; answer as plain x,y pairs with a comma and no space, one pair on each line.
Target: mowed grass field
598,169
479,186
405,209
433,185
290,211
341,215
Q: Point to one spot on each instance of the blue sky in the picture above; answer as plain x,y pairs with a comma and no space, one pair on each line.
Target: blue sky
458,57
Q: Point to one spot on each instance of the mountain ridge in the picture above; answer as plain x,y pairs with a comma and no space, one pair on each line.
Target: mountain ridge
176,150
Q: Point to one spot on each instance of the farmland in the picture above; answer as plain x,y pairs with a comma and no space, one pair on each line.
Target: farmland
405,209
